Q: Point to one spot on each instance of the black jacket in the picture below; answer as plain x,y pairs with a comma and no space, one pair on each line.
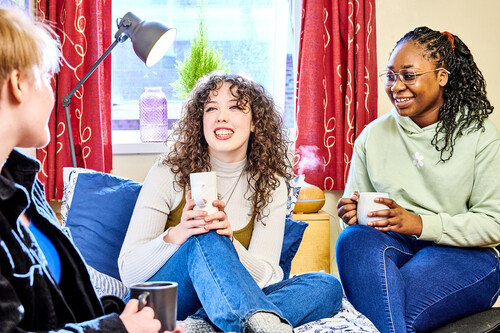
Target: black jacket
30,300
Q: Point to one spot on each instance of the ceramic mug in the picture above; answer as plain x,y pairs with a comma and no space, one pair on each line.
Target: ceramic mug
162,297
366,204
204,186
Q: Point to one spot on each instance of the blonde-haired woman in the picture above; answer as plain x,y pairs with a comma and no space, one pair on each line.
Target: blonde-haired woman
44,284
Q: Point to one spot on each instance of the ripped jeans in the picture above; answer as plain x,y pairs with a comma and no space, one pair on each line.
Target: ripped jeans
407,285
214,285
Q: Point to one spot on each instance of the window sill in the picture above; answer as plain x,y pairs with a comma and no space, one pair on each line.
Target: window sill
129,142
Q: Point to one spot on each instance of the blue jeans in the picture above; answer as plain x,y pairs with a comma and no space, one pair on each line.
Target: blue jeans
407,285
211,277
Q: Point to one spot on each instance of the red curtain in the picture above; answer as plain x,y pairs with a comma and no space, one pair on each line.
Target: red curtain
84,30
336,87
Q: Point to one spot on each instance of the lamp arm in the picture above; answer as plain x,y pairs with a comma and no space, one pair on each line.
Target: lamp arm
66,101
126,28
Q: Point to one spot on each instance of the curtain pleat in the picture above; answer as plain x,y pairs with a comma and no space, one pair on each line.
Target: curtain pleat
336,87
84,30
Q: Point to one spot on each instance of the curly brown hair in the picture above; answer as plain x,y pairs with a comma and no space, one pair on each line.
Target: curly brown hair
268,147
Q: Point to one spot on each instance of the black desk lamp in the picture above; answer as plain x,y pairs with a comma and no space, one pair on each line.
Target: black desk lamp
150,39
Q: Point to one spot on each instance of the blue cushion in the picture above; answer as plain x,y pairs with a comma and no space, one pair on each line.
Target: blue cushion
100,212
99,217
294,231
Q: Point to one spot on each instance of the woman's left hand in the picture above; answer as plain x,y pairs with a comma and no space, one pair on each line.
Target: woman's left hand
218,220
396,219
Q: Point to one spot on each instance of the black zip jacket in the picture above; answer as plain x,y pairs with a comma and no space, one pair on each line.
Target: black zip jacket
30,300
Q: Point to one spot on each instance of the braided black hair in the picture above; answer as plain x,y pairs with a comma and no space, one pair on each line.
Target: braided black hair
465,103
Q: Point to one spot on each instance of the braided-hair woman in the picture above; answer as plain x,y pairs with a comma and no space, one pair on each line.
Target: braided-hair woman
431,257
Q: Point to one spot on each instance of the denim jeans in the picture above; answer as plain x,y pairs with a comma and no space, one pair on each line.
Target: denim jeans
210,276
407,285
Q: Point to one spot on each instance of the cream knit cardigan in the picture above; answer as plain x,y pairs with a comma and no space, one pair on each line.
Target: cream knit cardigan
144,252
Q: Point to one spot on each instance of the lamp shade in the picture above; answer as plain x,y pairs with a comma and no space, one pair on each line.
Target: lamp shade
150,39
151,42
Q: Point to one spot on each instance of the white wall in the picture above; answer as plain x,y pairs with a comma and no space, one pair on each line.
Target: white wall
477,23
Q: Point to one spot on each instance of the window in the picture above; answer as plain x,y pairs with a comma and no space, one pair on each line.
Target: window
254,36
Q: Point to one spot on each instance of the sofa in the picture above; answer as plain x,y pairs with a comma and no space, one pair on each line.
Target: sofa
95,212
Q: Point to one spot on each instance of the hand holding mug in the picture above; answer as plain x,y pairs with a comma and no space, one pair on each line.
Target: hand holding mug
218,221
396,219
367,205
161,298
139,321
192,223
143,321
346,209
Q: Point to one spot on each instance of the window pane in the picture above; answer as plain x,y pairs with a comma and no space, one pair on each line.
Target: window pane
243,29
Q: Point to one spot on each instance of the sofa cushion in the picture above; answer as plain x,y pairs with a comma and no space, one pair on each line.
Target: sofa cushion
294,231
98,218
295,185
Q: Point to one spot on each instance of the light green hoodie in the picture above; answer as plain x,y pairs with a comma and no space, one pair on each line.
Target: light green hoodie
459,201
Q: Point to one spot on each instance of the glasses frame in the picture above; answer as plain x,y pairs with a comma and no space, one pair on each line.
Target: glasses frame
383,75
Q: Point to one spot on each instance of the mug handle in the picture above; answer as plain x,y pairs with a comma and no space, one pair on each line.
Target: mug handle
142,299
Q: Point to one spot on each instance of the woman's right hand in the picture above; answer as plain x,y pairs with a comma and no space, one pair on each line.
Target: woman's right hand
189,225
346,209
142,321
139,321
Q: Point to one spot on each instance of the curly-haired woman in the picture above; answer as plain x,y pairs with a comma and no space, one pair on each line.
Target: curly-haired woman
226,263
430,258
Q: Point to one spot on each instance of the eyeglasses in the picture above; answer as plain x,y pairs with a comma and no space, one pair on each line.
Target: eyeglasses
407,76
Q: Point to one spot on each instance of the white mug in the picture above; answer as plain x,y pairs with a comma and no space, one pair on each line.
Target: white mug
366,204
204,186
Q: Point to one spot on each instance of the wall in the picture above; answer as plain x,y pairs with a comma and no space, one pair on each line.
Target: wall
477,23
135,167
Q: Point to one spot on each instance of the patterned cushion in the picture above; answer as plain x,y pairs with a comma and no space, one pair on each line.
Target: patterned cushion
348,320
295,185
107,285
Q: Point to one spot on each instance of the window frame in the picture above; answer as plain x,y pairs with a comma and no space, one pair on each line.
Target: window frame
128,141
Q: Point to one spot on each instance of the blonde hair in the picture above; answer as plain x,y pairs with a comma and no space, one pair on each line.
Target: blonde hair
26,46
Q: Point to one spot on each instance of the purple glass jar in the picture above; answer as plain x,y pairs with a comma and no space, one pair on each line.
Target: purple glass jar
153,119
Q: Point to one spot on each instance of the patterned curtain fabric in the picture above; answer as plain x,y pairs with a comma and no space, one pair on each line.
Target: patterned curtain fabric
336,89
84,29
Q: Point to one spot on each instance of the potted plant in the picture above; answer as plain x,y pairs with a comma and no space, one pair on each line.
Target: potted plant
202,58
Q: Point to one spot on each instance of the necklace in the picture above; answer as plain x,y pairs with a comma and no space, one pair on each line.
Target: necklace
220,197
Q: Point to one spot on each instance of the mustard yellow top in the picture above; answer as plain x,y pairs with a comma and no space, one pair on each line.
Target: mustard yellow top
244,235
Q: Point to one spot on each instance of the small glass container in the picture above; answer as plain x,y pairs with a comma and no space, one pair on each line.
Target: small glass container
153,118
